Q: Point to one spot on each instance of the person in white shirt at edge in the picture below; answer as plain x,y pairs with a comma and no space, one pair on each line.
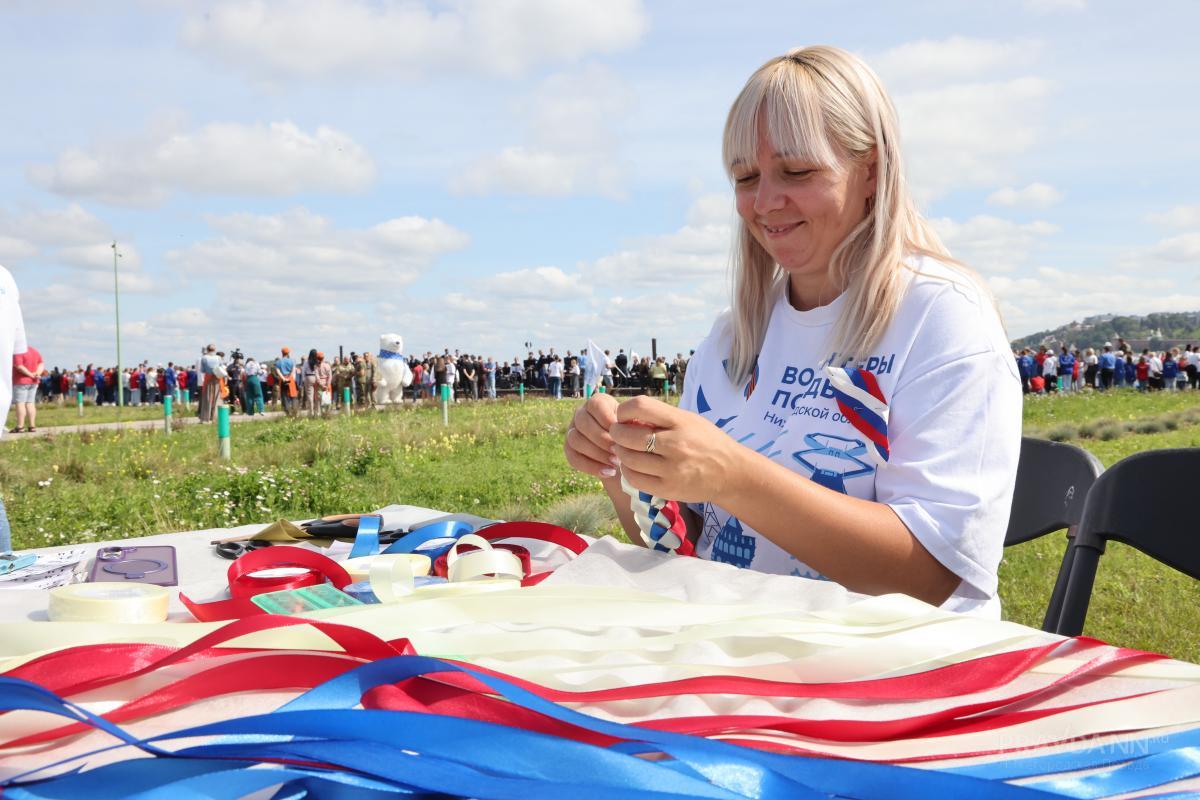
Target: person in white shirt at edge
832,267
12,341
1050,371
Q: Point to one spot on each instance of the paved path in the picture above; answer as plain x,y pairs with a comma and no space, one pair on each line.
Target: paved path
137,424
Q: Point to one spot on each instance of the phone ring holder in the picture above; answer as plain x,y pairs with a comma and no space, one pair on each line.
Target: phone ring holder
134,569
113,553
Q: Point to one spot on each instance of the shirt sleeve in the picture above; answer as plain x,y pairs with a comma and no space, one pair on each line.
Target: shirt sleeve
954,447
20,345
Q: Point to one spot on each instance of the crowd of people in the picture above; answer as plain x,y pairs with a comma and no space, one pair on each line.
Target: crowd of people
1114,366
312,385
476,376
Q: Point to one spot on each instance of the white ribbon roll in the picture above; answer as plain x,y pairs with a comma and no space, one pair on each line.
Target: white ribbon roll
484,562
360,568
107,602
391,576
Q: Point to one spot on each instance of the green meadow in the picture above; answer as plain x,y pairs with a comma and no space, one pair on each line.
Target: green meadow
504,459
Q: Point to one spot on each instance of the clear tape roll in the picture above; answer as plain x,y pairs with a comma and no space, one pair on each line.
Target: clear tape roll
484,562
360,568
96,602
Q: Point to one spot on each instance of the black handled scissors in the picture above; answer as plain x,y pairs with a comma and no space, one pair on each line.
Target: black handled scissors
233,550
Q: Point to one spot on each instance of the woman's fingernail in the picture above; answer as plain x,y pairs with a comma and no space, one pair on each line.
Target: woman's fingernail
608,472
616,462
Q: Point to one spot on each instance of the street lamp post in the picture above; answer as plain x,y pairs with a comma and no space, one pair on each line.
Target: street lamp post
117,307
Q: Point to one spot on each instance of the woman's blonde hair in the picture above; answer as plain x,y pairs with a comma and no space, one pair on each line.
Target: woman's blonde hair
826,106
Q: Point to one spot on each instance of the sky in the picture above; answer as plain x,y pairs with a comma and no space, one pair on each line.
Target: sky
478,174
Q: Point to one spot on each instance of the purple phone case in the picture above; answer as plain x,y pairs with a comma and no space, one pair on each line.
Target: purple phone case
127,568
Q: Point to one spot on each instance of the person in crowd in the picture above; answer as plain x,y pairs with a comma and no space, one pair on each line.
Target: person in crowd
489,373
570,373
553,372
284,371
452,377
1170,368
839,283
1066,369
1050,371
1143,374
254,390
27,366
1108,366
1091,368
1156,369
311,383
658,375
468,379
211,370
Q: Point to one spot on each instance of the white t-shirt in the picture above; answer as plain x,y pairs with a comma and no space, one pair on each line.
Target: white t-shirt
12,339
1050,366
944,368
554,369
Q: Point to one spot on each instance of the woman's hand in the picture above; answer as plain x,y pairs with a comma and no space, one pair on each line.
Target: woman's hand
692,461
587,445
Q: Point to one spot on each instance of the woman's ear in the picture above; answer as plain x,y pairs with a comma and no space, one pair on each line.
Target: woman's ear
872,165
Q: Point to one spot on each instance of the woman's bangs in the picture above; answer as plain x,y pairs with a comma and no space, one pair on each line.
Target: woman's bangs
786,97
796,123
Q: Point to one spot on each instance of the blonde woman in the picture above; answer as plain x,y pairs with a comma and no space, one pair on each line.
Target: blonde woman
856,415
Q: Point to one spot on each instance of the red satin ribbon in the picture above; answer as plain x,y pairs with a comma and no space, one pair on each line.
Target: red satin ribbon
461,695
243,584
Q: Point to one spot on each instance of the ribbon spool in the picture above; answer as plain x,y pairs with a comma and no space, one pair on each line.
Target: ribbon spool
246,579
360,568
91,602
486,562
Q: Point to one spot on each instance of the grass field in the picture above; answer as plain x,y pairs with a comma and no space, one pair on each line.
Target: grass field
504,460
50,416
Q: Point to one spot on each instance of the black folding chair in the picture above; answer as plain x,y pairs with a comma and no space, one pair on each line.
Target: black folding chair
1052,481
1135,501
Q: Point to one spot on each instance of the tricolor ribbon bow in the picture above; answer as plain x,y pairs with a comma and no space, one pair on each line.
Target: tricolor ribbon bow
861,402
661,524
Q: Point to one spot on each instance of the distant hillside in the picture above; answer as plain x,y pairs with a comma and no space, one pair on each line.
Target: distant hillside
1153,330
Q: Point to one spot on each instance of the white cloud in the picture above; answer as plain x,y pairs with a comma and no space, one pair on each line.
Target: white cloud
968,134
571,148
990,244
956,58
100,257
536,283
56,227
258,255
1183,248
15,249
1177,217
218,158
1052,297
1054,6
315,38
519,170
1035,195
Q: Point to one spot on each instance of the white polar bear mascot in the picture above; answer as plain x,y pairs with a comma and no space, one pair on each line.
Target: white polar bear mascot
392,374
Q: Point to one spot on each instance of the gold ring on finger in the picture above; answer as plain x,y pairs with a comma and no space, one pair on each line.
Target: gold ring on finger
650,442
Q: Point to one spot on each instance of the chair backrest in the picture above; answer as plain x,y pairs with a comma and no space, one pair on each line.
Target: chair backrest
1136,501
1052,480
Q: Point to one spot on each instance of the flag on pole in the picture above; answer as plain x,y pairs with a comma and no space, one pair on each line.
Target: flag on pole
596,364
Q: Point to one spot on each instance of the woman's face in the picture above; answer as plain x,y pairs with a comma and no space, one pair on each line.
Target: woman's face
800,212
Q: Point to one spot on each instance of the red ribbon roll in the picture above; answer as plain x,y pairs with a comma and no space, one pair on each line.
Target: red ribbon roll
243,584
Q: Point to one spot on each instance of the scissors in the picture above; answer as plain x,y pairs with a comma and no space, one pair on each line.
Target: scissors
233,550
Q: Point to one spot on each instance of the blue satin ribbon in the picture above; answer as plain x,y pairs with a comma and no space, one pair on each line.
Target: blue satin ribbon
445,529
1086,758
366,541
378,753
